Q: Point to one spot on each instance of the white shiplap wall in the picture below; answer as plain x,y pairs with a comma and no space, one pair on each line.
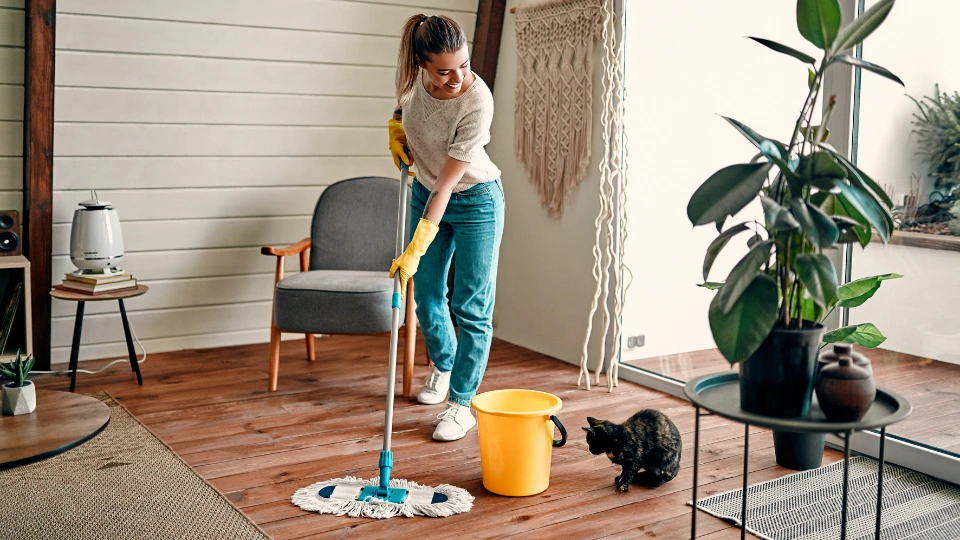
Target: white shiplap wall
213,127
11,104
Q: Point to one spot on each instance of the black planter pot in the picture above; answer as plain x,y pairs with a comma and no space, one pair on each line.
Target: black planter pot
799,451
778,379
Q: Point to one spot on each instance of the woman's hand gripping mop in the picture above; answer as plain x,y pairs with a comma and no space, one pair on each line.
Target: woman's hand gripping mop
386,497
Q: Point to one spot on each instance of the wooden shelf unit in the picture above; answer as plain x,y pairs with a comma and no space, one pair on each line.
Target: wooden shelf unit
13,270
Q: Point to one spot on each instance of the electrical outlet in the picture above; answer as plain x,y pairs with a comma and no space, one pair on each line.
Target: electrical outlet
636,341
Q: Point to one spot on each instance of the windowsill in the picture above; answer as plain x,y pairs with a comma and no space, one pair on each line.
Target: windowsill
921,240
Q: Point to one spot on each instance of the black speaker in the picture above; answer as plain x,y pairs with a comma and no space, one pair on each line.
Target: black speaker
9,232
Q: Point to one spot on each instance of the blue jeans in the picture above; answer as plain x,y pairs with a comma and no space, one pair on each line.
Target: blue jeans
472,225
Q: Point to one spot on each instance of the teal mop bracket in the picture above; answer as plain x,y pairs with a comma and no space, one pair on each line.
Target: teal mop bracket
384,492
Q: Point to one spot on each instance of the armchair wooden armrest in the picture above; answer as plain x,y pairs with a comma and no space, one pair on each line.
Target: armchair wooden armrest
300,248
294,249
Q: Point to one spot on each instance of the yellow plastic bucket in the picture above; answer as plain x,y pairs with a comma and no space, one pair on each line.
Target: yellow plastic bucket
516,437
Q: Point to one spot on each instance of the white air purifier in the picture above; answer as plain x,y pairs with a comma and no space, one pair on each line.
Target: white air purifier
96,244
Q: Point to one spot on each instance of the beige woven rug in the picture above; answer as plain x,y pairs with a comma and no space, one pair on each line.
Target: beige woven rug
123,483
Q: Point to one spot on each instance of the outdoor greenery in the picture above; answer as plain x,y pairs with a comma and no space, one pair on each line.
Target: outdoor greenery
938,134
813,198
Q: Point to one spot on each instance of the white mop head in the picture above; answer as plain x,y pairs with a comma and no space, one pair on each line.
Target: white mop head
344,501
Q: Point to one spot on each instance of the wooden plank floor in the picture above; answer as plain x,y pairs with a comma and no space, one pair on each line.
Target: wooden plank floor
325,421
932,387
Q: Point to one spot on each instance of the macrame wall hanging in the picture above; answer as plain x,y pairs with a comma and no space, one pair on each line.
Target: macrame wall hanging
554,95
611,222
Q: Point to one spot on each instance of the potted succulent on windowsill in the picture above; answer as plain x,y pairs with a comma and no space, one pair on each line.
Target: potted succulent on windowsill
766,316
19,396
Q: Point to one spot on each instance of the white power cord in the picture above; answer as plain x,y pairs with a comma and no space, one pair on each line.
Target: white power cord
140,361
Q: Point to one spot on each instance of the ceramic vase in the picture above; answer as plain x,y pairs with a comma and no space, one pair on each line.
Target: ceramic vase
19,400
845,349
845,391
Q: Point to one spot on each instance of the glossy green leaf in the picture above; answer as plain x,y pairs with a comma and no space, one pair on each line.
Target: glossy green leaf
776,217
819,21
821,170
866,184
854,172
742,274
811,78
711,285
829,232
863,26
818,276
857,292
810,310
859,300
817,226
754,137
866,206
726,192
852,225
718,244
881,205
753,240
853,61
866,335
739,331
789,51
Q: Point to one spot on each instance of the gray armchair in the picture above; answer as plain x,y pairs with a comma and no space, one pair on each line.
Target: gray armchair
343,288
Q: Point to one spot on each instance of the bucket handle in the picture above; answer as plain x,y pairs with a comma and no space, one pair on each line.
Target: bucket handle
563,432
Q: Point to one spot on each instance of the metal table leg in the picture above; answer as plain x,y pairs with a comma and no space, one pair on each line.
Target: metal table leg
75,347
696,456
134,365
883,439
743,498
846,488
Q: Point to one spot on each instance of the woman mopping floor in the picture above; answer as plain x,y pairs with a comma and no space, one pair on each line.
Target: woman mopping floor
442,122
447,111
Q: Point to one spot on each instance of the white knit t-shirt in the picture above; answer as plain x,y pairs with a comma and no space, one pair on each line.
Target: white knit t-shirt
457,127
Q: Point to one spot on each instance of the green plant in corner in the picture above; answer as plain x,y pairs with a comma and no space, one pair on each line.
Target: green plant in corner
17,370
813,199
938,135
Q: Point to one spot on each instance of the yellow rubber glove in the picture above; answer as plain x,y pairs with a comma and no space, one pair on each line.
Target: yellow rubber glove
398,143
408,261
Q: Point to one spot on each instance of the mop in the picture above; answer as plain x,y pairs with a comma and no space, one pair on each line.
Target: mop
385,497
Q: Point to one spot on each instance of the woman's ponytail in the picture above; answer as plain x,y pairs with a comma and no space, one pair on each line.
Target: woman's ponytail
408,65
422,37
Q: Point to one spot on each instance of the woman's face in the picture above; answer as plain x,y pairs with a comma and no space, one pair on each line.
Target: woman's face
447,71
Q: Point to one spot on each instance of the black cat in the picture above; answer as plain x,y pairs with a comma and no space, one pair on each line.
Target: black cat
648,440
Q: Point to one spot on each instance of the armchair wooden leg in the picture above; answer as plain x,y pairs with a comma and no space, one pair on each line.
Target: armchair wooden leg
274,356
411,342
311,348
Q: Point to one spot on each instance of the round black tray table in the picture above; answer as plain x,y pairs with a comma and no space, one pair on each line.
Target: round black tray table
719,394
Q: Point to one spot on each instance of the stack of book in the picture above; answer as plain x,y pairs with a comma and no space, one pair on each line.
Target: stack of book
97,283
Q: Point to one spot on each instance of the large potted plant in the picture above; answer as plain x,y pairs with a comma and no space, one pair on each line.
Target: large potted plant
767,314
18,396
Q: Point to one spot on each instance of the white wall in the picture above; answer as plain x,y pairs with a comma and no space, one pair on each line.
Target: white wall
917,313
213,127
544,282
688,63
11,104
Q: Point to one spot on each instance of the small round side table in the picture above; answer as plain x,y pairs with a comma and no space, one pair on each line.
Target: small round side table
81,299
719,394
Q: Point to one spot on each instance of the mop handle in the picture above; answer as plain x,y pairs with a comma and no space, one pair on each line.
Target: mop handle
395,325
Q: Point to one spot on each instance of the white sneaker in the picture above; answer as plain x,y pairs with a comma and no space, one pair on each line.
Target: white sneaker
455,422
436,388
